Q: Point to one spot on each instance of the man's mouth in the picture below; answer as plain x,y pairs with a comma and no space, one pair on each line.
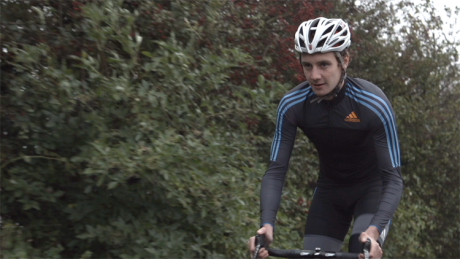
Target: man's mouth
318,85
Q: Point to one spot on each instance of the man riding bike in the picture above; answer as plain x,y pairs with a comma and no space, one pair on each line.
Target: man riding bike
352,125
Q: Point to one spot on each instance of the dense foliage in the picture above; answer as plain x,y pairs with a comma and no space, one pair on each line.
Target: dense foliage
141,129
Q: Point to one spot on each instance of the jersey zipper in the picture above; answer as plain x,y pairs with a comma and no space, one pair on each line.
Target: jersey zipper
329,110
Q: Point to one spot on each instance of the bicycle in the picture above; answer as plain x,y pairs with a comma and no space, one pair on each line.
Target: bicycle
317,253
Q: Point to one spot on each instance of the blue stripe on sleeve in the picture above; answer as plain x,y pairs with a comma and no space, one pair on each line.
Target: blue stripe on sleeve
385,114
287,102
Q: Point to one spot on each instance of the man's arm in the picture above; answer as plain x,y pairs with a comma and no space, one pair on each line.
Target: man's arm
273,180
387,149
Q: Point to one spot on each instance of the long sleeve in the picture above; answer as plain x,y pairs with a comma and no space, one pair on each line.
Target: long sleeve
283,142
388,155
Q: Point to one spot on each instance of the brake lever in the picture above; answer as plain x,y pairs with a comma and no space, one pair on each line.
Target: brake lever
367,248
259,243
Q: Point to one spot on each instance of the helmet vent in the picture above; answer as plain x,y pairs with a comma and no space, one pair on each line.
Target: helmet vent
328,30
339,43
311,35
321,43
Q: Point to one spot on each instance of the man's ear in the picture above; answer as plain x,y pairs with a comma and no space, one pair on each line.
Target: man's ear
346,61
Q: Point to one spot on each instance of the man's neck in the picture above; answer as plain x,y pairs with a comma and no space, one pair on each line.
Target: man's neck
332,96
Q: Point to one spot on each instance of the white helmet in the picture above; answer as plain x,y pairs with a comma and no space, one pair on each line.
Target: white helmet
322,35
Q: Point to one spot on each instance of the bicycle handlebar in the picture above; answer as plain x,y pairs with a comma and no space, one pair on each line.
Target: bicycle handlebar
310,254
296,253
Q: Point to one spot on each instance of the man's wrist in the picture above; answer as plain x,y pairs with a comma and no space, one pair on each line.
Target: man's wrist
373,232
268,224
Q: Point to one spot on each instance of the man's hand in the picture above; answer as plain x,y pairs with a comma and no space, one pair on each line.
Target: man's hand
376,251
266,229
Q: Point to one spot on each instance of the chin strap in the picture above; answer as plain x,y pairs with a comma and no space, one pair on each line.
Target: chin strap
336,90
333,93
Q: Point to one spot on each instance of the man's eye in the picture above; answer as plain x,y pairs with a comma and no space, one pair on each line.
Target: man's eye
324,64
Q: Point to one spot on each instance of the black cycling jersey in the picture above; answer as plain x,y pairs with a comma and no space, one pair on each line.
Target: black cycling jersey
356,139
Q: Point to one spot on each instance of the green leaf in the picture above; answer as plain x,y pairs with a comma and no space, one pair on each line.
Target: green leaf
112,185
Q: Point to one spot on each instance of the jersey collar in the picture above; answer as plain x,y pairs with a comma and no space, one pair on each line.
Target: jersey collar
340,94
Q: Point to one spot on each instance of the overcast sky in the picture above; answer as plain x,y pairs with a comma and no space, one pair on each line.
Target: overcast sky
440,5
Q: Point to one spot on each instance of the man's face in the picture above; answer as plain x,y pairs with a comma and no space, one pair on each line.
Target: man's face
322,71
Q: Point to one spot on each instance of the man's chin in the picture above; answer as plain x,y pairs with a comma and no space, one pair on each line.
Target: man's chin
320,93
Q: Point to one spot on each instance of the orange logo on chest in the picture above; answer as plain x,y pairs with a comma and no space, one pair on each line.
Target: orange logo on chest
352,117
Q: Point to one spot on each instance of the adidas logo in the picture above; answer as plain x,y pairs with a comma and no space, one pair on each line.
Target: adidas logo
352,117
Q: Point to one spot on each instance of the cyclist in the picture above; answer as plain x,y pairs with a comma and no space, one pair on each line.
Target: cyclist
352,125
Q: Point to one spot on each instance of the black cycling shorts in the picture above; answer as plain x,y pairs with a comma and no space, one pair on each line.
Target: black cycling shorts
332,211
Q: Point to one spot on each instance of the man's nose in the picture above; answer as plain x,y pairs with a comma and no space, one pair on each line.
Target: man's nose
315,73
